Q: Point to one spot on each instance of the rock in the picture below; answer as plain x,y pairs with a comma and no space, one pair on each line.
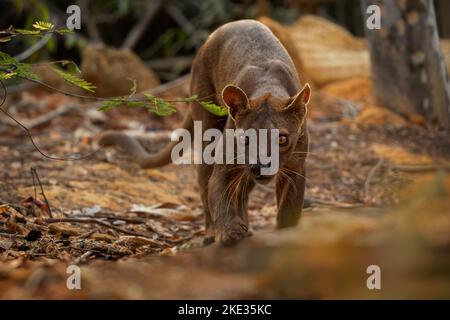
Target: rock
110,70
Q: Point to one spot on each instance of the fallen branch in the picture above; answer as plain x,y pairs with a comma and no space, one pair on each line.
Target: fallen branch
34,174
12,235
83,258
28,133
369,178
332,203
99,222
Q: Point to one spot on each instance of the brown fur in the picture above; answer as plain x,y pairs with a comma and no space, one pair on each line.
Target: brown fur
264,93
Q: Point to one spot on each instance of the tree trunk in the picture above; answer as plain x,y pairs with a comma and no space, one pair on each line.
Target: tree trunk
408,70
442,10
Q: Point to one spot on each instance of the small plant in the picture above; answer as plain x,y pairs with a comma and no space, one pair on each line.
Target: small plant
10,68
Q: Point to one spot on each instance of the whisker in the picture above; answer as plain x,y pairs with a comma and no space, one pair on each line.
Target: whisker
294,172
289,180
227,189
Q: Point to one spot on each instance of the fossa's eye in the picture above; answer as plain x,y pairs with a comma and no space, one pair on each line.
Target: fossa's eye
283,140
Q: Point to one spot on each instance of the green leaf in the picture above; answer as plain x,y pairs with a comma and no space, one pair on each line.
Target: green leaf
6,59
214,108
120,103
22,70
73,79
159,106
43,25
6,39
27,32
7,75
191,98
64,30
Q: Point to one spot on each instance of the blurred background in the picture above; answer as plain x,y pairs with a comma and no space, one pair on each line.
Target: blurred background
377,186
166,34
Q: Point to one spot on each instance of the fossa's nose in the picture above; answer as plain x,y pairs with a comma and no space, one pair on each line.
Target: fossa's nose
256,169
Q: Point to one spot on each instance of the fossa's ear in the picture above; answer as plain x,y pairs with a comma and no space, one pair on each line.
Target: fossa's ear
300,100
235,99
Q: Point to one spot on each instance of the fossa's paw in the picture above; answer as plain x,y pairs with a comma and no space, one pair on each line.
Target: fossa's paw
233,232
209,236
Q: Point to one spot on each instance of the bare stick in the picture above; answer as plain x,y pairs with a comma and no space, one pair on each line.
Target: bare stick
333,203
369,178
35,174
83,258
30,136
12,235
99,222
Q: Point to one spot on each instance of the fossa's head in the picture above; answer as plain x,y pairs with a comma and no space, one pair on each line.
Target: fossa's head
268,112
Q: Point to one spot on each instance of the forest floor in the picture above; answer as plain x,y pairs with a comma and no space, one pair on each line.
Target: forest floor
377,193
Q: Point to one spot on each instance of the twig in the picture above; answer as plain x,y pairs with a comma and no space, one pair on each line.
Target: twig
369,178
96,221
83,258
12,235
333,203
30,136
140,27
35,174
87,234
112,217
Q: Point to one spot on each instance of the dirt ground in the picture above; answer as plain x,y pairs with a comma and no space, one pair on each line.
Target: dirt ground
377,194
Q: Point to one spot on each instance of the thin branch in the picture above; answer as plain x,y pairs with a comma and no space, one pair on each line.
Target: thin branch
369,178
99,222
30,136
83,258
333,203
12,235
179,82
47,203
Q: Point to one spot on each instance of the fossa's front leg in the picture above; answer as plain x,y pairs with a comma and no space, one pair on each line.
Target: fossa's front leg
227,201
290,190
